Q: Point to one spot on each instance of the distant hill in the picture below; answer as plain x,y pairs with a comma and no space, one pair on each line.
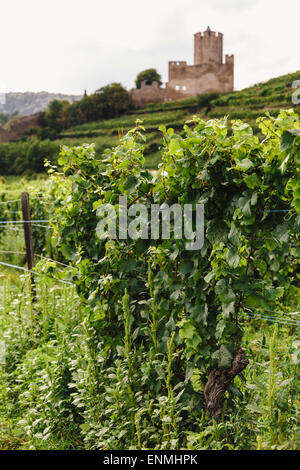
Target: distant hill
29,103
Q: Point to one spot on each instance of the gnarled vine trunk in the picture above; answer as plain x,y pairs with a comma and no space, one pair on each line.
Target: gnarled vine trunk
218,382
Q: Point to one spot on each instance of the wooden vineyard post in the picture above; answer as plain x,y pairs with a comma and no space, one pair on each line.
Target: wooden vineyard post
28,240
27,230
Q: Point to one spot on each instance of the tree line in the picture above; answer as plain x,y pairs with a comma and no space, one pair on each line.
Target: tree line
107,102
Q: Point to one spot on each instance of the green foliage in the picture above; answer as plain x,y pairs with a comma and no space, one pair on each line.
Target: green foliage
7,118
12,236
85,121
194,299
57,391
54,114
127,122
205,100
267,411
16,158
122,364
114,100
149,76
246,105
107,102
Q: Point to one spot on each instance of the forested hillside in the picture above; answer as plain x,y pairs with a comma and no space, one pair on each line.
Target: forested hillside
248,105
28,155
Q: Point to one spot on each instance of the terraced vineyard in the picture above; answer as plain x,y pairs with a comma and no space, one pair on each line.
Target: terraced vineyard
141,343
247,105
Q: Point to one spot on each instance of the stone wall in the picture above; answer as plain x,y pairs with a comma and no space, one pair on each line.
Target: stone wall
18,128
192,80
148,94
208,74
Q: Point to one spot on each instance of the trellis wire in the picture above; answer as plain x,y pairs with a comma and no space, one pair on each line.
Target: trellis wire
15,212
296,312
9,202
266,316
34,272
58,262
40,256
272,319
249,313
278,210
12,252
18,200
35,222
23,221
17,267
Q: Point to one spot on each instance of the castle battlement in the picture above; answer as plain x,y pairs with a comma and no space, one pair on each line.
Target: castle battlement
208,73
208,47
208,33
229,58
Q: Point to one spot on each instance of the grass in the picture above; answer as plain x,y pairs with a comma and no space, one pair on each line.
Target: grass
48,363
50,358
41,407
129,121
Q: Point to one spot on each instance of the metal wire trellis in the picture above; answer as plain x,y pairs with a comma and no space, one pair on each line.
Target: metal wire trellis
35,272
272,319
9,202
37,223
7,222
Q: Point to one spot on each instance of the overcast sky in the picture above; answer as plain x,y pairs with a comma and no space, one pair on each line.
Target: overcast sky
70,45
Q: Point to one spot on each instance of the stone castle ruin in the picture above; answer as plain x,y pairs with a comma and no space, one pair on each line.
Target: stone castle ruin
207,74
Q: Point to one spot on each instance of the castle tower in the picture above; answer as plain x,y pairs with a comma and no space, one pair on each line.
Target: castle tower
208,74
208,47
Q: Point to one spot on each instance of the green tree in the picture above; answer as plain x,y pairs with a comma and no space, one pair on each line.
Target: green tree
54,114
113,100
149,76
